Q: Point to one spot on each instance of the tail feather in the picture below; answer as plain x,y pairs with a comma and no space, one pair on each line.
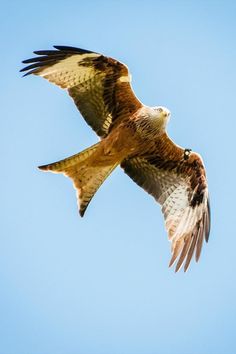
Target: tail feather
87,181
87,176
62,165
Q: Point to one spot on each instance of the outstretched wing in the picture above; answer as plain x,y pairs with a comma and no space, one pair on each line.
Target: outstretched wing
180,186
99,85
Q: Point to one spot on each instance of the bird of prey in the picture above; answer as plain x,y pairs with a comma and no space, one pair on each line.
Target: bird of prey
133,136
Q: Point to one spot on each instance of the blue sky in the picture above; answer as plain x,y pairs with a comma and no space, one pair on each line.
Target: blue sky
101,285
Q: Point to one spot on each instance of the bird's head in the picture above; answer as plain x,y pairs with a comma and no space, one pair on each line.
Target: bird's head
161,115
162,112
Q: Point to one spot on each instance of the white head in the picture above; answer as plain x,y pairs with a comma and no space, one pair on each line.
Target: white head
162,112
161,115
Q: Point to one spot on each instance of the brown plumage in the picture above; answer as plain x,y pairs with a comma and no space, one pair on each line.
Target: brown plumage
132,136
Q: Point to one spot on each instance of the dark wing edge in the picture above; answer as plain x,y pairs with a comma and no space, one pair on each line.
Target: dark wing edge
50,57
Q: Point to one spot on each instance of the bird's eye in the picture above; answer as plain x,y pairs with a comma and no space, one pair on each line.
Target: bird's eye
160,110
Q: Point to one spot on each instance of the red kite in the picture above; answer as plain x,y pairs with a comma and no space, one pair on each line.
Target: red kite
133,136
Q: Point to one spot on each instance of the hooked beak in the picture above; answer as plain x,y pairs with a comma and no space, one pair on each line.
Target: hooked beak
167,114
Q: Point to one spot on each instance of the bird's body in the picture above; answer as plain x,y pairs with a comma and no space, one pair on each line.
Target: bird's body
133,136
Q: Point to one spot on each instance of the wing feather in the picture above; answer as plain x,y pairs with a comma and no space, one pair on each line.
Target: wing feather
187,242
200,240
99,85
180,187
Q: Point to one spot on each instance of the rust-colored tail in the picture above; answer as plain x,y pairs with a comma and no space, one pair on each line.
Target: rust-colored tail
86,172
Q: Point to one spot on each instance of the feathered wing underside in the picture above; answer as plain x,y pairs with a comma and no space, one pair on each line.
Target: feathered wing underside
99,85
185,205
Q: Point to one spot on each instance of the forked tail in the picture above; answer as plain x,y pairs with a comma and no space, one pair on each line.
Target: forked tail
87,175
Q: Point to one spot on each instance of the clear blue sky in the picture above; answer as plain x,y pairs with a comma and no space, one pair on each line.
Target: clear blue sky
101,285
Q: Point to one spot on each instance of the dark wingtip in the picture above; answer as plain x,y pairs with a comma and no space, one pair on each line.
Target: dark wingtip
32,68
50,57
26,74
44,52
64,47
72,49
26,68
208,221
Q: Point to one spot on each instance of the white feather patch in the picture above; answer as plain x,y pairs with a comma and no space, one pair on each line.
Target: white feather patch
68,72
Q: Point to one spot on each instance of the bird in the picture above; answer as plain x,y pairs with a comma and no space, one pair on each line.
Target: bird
132,136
